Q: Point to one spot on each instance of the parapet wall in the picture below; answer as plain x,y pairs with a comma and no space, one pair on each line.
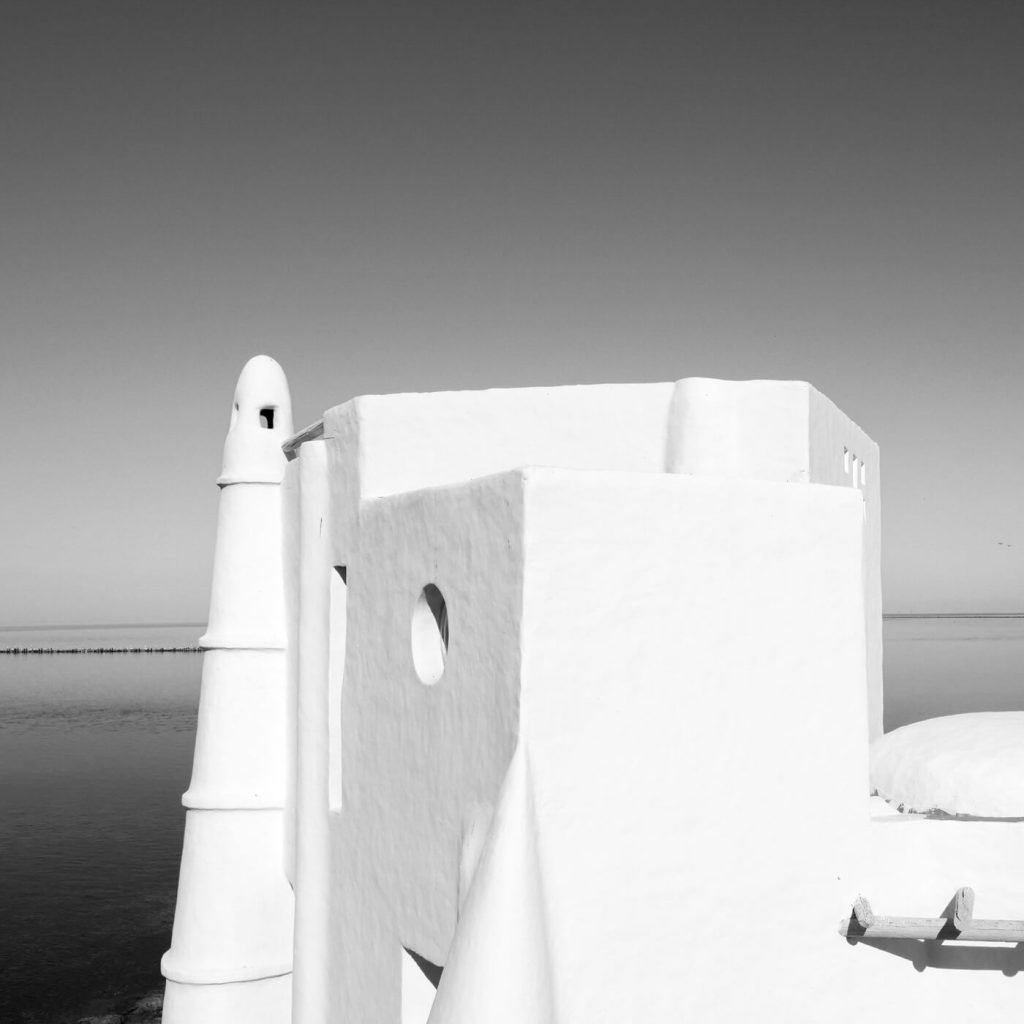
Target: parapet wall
784,431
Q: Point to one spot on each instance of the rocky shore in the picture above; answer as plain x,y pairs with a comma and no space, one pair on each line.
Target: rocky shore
145,1010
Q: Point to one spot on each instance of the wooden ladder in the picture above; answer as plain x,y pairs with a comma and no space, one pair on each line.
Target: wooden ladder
959,926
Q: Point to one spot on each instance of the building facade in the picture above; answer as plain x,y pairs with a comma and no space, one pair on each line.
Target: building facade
564,703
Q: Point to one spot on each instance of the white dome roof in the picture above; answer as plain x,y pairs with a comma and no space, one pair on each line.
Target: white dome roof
261,421
969,764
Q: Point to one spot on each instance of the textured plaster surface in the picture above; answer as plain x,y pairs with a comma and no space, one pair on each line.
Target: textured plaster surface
749,429
834,436
412,501
660,755
231,945
313,724
786,431
911,866
291,548
247,598
408,442
639,789
685,822
421,765
259,1001
252,451
240,752
232,920
651,728
755,430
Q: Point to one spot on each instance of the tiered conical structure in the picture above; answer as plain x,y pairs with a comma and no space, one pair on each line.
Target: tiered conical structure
230,959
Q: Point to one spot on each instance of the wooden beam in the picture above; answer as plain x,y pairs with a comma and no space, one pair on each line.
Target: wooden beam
959,926
963,908
936,928
311,433
863,913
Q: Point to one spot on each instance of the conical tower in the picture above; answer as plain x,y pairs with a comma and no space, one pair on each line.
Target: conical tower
231,948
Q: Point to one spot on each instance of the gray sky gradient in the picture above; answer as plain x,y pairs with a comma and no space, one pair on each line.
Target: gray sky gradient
430,196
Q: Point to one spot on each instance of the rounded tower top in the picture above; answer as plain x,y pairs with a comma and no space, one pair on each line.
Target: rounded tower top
261,420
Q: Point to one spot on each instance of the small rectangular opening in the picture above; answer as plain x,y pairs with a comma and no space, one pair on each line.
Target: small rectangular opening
267,418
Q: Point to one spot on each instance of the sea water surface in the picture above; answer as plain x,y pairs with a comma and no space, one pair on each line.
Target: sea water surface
950,664
96,750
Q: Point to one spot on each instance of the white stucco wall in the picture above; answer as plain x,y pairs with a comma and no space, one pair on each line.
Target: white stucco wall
912,866
638,790
832,437
408,442
747,429
684,824
786,431
291,549
230,958
421,767
693,744
239,757
420,764
313,725
758,588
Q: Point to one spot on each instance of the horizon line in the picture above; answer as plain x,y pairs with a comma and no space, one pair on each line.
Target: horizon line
953,615
101,625
202,625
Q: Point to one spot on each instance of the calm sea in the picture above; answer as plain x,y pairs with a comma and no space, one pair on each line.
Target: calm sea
945,665
95,752
96,749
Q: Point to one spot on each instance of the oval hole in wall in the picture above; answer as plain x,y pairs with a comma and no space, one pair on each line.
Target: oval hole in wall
430,635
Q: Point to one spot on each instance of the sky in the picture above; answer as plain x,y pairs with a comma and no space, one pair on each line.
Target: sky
425,196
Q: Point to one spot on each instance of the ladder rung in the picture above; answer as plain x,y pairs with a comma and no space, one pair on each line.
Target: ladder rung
959,926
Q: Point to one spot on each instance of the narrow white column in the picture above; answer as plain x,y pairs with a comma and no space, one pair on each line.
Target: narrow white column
230,959
322,607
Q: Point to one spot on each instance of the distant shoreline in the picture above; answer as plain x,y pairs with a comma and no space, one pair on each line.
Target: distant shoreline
953,615
61,627
195,649
117,638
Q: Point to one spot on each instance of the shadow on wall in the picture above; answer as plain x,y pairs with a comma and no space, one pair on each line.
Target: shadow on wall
923,953
420,979
936,953
430,971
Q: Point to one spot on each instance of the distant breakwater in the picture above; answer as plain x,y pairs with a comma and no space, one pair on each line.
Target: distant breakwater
194,649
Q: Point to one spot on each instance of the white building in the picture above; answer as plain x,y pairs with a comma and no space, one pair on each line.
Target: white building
568,691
